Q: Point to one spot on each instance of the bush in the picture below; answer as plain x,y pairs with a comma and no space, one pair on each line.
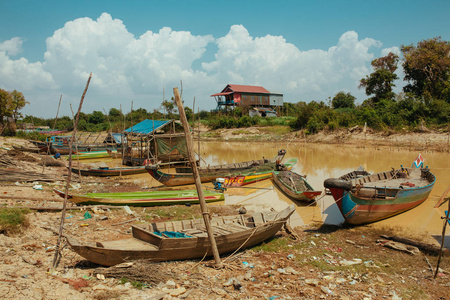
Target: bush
13,220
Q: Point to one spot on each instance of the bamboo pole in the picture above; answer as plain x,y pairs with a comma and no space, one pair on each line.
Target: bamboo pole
63,214
441,200
198,184
442,240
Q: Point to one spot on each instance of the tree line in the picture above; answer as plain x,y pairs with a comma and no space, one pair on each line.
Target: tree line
424,100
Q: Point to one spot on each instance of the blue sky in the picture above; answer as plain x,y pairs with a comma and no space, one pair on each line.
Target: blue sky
307,50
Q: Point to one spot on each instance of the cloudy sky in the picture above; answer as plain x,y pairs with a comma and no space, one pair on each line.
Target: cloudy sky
138,51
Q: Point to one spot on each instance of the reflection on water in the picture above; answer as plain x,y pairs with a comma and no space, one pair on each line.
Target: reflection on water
320,162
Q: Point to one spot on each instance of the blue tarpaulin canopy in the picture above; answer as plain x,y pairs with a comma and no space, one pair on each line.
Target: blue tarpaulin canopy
147,126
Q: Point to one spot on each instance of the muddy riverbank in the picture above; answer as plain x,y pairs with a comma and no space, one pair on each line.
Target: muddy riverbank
318,262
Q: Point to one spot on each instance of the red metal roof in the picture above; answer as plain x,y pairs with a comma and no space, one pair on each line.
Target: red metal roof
247,89
221,94
237,88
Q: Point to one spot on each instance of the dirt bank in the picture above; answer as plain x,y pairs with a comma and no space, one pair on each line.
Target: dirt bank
355,137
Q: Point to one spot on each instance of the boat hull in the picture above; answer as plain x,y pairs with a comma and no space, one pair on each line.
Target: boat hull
154,198
146,245
252,177
308,195
110,171
361,206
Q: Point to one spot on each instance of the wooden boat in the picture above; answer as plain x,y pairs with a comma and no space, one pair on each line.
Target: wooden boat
151,241
254,175
210,173
148,198
370,198
26,149
90,155
294,186
106,171
114,154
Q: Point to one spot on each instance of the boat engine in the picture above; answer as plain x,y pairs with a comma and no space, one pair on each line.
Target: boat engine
219,184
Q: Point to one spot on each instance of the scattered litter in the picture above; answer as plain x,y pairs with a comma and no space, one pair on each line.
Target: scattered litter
38,187
128,210
354,261
326,290
87,215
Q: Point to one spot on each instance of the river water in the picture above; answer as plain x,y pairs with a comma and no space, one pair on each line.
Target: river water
320,162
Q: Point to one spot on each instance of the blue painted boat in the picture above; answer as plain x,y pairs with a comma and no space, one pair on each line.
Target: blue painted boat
370,198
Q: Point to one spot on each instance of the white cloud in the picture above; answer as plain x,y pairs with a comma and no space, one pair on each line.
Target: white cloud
12,47
127,68
277,65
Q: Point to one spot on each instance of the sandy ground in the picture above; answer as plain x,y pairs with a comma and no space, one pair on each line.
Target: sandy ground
338,264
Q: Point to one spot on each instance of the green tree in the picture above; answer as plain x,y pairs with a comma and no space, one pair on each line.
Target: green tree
427,68
343,100
5,106
97,117
18,102
381,82
115,113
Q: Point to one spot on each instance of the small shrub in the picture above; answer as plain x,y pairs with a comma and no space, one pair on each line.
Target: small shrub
13,220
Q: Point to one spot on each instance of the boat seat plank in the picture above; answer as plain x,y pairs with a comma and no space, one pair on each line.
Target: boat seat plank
128,244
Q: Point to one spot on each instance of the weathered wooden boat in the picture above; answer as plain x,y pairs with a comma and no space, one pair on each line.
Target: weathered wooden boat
151,241
26,149
370,198
210,173
294,186
107,171
148,198
114,154
90,155
48,148
254,175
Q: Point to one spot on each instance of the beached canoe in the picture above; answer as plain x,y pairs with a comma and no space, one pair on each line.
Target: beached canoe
106,171
180,240
89,155
210,173
255,175
148,198
370,198
294,186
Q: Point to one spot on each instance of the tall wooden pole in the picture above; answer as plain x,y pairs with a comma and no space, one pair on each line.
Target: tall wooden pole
442,240
198,182
63,213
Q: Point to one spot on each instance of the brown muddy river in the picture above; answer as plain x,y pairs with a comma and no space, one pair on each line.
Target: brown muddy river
320,162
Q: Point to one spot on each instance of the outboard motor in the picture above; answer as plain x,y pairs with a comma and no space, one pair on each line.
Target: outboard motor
219,184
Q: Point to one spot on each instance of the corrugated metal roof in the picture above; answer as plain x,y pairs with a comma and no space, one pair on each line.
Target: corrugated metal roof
247,89
237,88
147,126
221,94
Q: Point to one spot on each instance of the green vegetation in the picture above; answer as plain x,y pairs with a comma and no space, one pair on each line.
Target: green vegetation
136,284
175,213
13,220
424,101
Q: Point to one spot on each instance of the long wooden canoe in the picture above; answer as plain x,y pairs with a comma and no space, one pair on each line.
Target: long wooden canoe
90,155
370,198
151,241
210,173
294,186
104,172
149,198
255,175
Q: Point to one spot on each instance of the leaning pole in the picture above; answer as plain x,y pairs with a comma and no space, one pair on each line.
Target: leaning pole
198,182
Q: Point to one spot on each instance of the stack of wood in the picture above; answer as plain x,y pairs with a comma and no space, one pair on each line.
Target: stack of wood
14,175
6,161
